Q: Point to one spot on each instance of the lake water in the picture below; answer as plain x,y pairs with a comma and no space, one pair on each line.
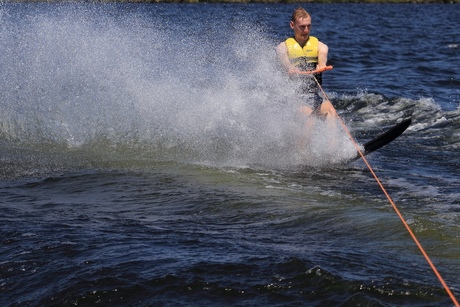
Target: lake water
154,155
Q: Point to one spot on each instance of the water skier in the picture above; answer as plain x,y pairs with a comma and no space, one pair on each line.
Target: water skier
303,52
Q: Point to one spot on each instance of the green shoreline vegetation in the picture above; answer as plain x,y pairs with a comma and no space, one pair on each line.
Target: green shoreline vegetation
239,1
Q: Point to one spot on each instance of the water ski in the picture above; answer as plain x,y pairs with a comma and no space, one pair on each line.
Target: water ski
384,138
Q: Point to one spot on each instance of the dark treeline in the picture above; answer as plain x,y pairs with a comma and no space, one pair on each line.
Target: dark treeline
242,1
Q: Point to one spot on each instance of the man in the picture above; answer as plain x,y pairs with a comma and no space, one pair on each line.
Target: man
304,52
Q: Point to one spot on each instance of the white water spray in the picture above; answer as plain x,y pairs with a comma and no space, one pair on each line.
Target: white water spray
83,79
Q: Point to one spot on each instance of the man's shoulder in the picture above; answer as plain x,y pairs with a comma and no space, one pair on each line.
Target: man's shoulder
322,45
281,46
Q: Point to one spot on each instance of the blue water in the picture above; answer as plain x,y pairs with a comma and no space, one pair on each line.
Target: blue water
155,155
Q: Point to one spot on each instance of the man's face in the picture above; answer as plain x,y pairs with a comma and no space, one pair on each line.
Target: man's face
301,27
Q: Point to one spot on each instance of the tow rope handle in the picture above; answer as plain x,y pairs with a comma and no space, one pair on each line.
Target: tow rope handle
310,72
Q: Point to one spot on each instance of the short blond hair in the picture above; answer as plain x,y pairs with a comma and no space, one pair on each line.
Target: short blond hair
299,13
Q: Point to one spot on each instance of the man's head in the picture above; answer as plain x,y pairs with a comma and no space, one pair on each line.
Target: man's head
299,13
301,24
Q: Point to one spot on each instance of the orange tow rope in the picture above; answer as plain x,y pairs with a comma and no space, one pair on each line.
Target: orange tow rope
433,267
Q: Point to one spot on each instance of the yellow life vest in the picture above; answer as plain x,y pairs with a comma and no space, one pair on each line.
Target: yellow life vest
304,58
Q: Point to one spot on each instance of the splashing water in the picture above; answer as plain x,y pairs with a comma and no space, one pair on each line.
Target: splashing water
81,79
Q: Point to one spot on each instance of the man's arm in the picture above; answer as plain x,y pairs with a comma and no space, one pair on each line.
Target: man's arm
322,54
281,51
